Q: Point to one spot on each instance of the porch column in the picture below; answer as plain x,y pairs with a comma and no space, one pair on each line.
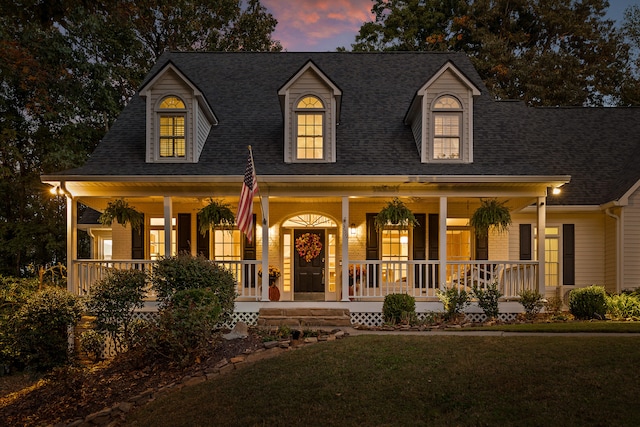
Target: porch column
265,244
168,217
542,223
442,245
72,243
345,249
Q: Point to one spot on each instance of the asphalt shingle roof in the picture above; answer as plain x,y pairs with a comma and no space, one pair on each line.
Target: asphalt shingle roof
598,147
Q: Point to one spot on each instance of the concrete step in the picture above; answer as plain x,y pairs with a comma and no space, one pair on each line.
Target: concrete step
304,317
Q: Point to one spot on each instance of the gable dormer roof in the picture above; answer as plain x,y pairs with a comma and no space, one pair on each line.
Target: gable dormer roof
310,66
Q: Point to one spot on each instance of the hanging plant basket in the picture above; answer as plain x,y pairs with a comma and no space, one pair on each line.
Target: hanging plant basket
491,214
121,212
308,246
396,213
216,214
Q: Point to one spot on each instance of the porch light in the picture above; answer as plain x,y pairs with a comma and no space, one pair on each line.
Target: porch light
56,191
352,229
555,191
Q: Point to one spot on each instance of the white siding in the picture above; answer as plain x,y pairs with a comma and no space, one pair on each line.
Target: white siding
203,128
610,253
631,215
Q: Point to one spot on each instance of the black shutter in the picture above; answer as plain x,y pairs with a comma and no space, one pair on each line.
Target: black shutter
482,247
202,241
372,248
184,233
434,249
525,242
137,242
249,253
420,248
568,254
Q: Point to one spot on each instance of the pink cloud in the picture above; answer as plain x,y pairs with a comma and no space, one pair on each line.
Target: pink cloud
309,25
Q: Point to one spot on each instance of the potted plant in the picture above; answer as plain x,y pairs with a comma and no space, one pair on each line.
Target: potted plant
490,214
121,212
216,214
274,292
395,213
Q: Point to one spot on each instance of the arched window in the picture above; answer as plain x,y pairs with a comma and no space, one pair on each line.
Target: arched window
172,118
310,114
447,128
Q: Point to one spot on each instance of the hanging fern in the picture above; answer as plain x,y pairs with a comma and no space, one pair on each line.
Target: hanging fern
121,212
491,214
395,213
216,214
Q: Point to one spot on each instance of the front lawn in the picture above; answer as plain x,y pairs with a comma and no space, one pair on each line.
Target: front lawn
421,380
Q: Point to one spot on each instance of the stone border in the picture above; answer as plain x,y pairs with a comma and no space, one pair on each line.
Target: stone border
116,414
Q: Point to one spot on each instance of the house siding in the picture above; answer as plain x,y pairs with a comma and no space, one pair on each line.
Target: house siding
631,217
610,253
203,128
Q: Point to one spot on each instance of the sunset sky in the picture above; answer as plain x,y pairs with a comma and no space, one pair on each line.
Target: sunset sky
323,25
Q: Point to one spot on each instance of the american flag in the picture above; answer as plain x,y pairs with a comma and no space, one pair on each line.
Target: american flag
244,217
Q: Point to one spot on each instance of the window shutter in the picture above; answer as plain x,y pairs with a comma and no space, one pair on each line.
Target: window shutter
249,253
482,247
202,242
568,254
434,227
525,242
184,233
372,248
137,242
420,247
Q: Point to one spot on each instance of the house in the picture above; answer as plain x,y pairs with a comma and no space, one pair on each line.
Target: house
335,137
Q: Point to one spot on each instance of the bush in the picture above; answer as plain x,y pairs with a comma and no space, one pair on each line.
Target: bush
488,299
531,301
39,328
623,306
185,326
588,303
14,293
453,301
398,307
113,301
184,271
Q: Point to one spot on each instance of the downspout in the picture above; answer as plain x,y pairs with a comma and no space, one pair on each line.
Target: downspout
619,248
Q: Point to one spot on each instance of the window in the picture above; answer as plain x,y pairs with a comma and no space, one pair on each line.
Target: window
157,240
551,255
227,245
172,116
395,247
310,129
447,128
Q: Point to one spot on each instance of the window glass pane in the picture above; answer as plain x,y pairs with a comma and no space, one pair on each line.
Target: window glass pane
227,245
447,102
446,141
310,139
172,102
172,141
310,102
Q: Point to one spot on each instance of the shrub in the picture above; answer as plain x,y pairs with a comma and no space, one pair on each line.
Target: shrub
453,301
185,326
397,307
113,301
588,303
623,306
488,299
184,271
531,301
14,292
92,344
39,328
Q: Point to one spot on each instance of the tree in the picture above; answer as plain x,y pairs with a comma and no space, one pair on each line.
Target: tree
544,52
67,69
631,31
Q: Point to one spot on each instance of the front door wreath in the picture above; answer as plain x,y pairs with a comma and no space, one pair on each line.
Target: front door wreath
308,246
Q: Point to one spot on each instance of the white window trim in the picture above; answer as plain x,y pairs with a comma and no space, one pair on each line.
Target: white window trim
433,112
159,112
294,131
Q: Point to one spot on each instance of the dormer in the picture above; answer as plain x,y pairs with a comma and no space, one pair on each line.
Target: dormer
178,118
310,104
441,117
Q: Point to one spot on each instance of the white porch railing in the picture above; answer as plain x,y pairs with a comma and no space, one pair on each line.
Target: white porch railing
376,279
88,272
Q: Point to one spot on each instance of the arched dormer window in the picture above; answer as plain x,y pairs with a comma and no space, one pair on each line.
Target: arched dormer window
310,113
447,128
172,115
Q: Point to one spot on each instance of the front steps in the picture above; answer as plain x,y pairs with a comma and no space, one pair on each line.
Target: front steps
304,317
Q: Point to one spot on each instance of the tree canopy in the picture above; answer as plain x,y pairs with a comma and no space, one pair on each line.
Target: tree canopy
67,68
544,52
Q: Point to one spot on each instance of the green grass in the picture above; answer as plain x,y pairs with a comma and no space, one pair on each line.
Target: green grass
407,380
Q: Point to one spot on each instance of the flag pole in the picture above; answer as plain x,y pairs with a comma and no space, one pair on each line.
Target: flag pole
264,220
